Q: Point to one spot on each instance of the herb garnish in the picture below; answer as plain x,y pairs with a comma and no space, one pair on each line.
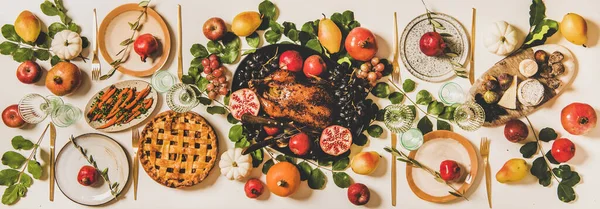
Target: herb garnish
114,187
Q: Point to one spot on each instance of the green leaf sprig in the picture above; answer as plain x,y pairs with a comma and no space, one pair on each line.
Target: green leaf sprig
18,182
540,28
416,164
114,187
541,166
135,27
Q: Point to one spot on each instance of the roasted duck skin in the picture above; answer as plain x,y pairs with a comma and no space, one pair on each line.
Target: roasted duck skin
282,97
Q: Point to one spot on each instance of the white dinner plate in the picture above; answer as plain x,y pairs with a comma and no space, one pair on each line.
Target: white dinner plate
107,153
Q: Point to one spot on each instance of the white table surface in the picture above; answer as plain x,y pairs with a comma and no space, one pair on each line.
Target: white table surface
218,192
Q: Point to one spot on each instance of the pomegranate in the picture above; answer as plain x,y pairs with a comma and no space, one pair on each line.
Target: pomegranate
449,170
254,188
314,66
243,101
300,144
335,140
358,194
578,118
271,130
290,60
64,78
563,150
361,44
515,130
145,45
87,175
432,44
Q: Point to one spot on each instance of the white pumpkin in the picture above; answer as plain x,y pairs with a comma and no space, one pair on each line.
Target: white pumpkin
234,165
66,45
501,38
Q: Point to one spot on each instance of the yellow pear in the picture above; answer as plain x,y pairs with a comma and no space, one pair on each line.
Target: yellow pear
245,23
330,35
27,26
514,170
574,28
365,163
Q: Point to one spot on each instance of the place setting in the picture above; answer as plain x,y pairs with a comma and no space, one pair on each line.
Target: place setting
304,106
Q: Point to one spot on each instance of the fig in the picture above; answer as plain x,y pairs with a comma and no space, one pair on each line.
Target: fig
504,80
491,97
541,56
491,83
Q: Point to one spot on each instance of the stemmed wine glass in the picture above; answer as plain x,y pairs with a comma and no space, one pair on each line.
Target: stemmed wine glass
398,118
469,116
183,97
34,108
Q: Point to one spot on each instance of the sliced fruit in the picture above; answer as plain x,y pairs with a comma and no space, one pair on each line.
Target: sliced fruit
243,101
509,99
335,140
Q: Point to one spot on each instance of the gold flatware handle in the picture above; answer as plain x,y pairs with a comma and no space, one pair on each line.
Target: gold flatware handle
135,175
52,159
472,63
394,139
179,44
488,182
395,65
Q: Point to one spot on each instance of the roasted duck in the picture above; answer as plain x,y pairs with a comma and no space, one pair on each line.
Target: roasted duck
283,97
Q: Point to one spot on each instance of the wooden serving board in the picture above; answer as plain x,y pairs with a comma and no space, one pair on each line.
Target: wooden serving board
510,65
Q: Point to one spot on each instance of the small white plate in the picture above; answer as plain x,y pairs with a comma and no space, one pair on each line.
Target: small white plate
139,85
107,153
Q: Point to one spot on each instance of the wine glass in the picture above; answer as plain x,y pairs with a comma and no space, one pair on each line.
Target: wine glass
469,116
398,118
451,93
163,80
34,108
183,97
412,139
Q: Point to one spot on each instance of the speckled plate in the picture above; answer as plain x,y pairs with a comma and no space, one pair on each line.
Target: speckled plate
433,69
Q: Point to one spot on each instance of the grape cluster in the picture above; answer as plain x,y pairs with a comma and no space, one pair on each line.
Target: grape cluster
349,94
257,66
215,73
372,71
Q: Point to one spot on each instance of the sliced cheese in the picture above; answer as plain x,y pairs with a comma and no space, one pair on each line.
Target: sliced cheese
509,99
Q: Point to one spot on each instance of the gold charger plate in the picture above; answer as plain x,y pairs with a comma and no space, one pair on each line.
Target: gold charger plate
115,28
439,146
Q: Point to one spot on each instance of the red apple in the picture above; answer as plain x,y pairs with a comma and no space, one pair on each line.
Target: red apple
563,150
11,117
314,66
578,118
432,44
515,130
214,28
29,72
358,194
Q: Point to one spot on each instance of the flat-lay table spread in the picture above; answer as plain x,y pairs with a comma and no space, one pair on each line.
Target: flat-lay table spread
299,104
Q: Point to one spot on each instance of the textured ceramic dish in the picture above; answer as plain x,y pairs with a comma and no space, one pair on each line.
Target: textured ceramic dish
433,69
115,28
437,147
139,85
107,153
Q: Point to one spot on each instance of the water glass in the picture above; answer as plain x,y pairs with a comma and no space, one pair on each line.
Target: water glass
451,93
183,97
34,108
398,118
412,139
66,115
163,80
469,116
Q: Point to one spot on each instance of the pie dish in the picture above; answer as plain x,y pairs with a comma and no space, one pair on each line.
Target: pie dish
178,149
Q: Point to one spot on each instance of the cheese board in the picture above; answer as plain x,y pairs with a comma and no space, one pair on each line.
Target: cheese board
540,77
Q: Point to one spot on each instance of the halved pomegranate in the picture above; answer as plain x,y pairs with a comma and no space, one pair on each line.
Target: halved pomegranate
335,140
243,101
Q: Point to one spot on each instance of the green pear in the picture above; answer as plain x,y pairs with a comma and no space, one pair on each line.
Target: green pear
514,170
27,26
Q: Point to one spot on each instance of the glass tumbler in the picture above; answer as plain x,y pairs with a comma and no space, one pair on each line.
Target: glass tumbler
183,97
451,93
163,80
66,115
412,139
398,118
469,116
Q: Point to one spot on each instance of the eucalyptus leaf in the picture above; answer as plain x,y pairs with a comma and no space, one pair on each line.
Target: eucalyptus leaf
253,40
214,47
236,133
199,51
341,164
268,164
201,83
13,159
54,60
443,125
562,171
325,162
257,157
539,168
361,140
424,97
13,193
425,125
41,54
304,169
293,35
435,108
8,31
381,90
231,41
314,44
548,134
23,54
187,79
205,101
216,110
34,168
48,8
242,143
20,143
7,48
231,119
573,180
342,179
74,27
8,177
267,9
56,27
396,97
317,179
26,180
375,131
545,181
196,62
143,3
408,85
537,12
565,193
230,56
529,149
272,36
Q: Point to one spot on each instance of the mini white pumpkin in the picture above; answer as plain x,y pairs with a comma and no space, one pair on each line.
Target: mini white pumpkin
234,165
501,38
66,45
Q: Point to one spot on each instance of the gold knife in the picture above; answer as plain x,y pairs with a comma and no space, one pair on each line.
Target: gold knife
52,141
394,139
179,41
134,143
472,61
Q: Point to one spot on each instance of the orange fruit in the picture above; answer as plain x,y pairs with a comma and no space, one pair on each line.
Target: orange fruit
283,179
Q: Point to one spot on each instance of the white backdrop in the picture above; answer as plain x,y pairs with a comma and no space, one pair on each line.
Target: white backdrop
217,192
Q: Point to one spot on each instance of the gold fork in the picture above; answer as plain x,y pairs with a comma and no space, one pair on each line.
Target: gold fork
135,137
484,150
96,72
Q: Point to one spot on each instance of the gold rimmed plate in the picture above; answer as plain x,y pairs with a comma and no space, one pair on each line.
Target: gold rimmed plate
115,29
437,147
